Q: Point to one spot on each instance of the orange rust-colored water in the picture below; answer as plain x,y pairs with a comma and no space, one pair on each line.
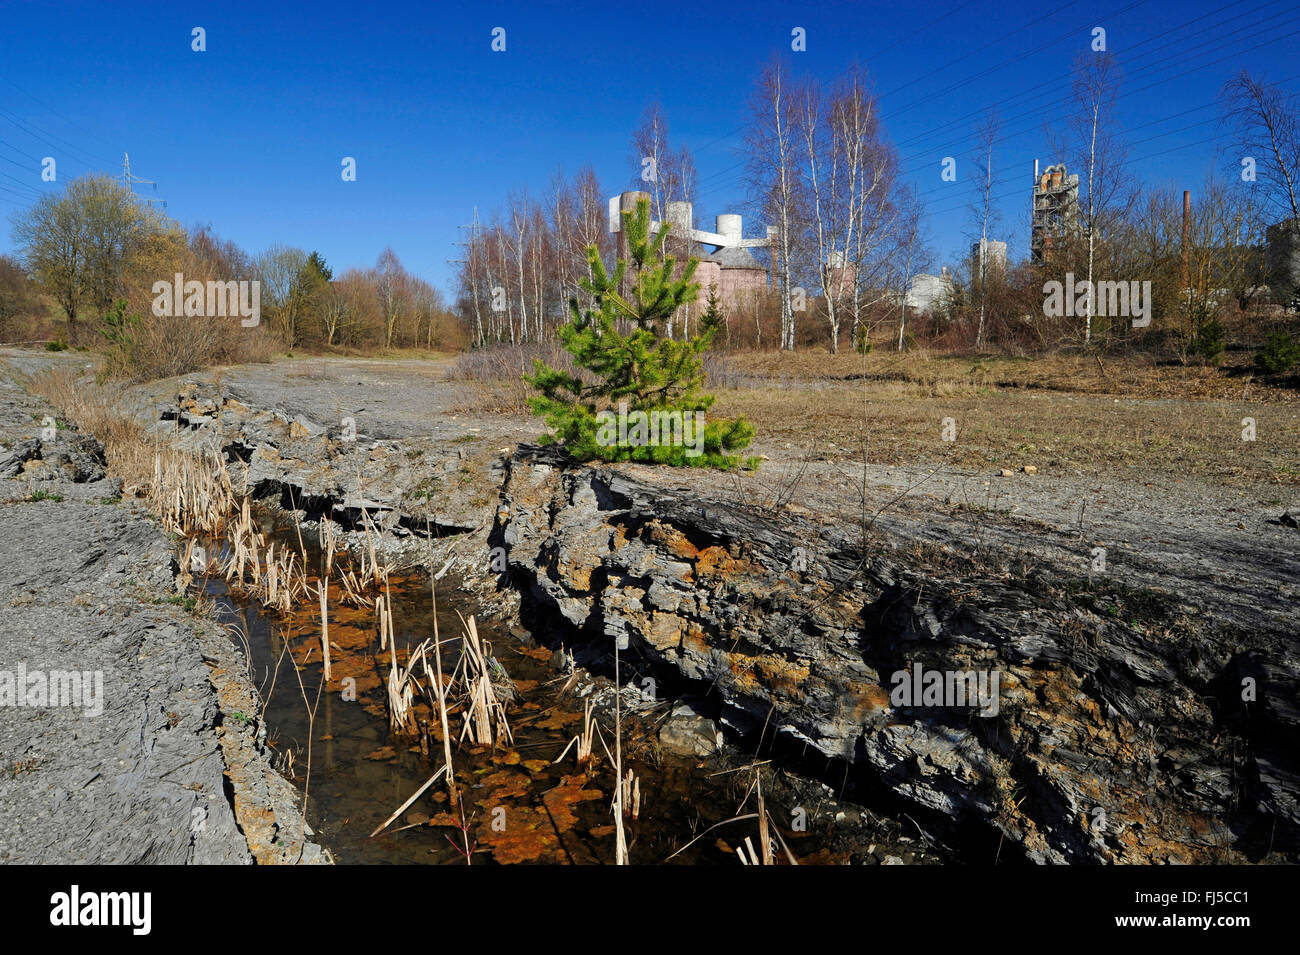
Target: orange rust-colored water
518,805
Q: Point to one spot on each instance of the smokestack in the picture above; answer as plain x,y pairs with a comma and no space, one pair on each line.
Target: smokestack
1033,205
1187,231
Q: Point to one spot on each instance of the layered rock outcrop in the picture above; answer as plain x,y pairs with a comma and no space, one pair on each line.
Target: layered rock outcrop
1121,733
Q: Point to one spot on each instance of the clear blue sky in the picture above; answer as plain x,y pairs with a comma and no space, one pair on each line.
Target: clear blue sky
248,136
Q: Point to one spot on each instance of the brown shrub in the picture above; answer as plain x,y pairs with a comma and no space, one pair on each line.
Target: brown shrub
169,346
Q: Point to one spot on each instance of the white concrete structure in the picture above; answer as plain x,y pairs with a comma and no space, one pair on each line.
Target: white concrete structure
995,257
927,293
730,267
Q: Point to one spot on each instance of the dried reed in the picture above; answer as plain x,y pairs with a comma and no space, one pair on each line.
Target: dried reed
323,592
439,690
584,739
485,714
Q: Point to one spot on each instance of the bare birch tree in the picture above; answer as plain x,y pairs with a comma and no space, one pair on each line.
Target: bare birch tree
772,166
986,139
1266,120
1094,142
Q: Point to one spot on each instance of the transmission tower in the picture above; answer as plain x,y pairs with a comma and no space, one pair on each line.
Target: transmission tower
129,181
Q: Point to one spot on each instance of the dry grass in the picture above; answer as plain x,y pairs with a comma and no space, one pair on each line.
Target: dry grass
100,411
745,851
630,795
1137,376
401,687
190,493
1068,421
583,740
438,690
323,593
1113,417
276,577
166,347
363,583
496,374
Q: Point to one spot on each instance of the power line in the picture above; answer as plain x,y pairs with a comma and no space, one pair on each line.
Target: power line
958,84
49,139
56,113
903,39
1180,129
33,191
1054,13
1154,67
1045,90
1022,190
11,191
1160,82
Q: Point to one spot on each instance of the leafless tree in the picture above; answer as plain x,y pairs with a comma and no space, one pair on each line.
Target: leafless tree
851,174
1266,120
774,174
914,254
986,139
667,174
278,268
392,283
1093,141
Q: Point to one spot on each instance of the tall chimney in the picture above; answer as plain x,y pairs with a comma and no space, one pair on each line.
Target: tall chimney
1187,231
1033,208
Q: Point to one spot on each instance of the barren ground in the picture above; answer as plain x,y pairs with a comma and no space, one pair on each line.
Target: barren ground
1165,484
1052,460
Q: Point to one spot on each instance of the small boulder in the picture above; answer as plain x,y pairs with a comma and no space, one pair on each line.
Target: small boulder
686,733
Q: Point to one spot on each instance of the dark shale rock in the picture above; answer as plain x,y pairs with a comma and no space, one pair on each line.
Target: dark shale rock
326,469
1119,736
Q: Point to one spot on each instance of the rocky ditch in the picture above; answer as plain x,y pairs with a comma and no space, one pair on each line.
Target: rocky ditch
995,701
1120,729
128,726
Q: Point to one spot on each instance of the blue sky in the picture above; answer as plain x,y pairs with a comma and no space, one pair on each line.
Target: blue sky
249,135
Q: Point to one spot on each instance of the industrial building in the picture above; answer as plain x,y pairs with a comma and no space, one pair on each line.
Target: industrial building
1055,210
731,267
928,293
995,257
1282,250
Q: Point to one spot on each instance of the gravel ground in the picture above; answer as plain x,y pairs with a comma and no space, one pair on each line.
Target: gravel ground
1222,548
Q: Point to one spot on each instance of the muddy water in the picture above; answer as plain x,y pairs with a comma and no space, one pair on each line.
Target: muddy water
516,804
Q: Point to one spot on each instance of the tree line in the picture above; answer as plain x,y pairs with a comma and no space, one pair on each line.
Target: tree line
851,235
94,250
818,166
